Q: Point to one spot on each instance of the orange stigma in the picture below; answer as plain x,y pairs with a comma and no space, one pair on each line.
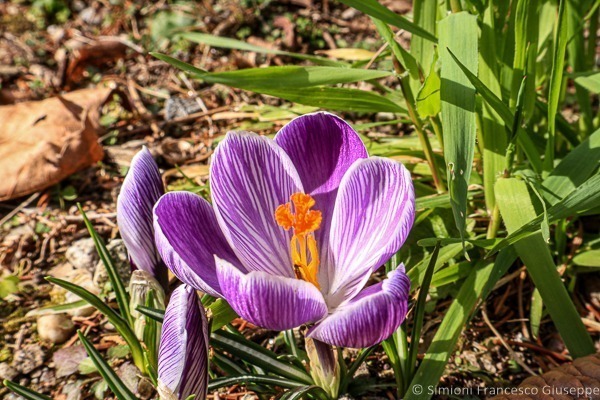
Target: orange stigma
304,221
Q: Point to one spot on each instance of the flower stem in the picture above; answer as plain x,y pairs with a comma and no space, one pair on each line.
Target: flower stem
423,138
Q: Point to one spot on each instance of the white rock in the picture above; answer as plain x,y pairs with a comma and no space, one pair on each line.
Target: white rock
55,328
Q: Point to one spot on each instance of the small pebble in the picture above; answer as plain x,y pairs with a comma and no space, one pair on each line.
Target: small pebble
28,358
7,372
55,328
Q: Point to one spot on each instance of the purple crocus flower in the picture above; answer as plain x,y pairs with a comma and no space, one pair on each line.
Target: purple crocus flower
141,189
183,350
296,227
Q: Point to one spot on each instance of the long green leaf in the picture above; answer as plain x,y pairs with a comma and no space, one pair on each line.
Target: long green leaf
257,355
228,43
425,13
222,314
573,170
458,107
25,392
556,79
517,210
257,379
477,286
302,392
332,98
583,198
374,9
406,59
277,78
504,112
590,82
492,125
154,313
114,382
419,313
119,323
111,270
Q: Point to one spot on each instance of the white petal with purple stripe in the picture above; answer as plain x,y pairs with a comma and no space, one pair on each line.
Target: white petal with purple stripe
370,317
188,236
270,301
374,212
183,351
141,188
250,177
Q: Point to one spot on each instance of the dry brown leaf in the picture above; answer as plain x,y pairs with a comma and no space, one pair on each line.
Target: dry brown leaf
43,142
581,378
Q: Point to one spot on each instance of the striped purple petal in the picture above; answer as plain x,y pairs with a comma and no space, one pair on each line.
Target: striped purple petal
188,236
250,177
270,301
183,351
371,317
141,189
374,212
322,147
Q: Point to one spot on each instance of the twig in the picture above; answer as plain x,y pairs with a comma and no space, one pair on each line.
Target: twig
19,208
514,355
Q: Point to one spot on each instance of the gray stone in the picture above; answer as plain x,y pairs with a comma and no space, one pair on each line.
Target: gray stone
28,358
73,390
130,376
82,254
7,372
118,253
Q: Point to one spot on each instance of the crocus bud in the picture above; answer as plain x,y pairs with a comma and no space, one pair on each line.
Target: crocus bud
141,189
183,353
140,285
324,366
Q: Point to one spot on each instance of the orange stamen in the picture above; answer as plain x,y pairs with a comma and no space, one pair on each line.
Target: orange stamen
304,221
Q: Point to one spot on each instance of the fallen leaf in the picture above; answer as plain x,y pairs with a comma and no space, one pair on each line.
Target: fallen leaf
96,53
348,54
43,142
67,360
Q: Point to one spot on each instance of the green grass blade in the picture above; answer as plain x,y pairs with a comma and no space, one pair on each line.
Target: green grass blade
458,107
573,170
333,98
583,198
576,55
535,314
590,82
114,382
374,9
228,43
25,392
526,47
406,59
154,313
119,323
257,355
113,275
58,308
276,78
504,112
222,314
493,130
418,272
425,14
302,392
477,286
419,313
556,80
517,210
256,379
